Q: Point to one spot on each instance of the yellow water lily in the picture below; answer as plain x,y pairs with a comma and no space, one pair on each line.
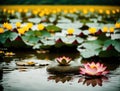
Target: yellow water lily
25,28
1,30
105,29
21,31
40,26
4,10
113,11
107,12
41,14
18,24
65,11
20,10
9,27
29,25
35,12
117,25
100,11
12,11
25,10
92,10
92,30
5,24
111,29
118,10
85,11
70,31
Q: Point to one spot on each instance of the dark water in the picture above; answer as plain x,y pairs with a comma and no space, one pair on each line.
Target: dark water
14,78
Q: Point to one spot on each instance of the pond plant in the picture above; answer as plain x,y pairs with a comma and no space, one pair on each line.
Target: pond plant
63,60
93,69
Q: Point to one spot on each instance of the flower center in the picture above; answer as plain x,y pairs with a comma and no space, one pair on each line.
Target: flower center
93,66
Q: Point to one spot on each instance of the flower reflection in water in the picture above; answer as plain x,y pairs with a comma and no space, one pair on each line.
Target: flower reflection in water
60,78
93,81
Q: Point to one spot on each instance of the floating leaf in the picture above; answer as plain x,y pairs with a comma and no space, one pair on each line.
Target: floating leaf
90,49
8,35
37,46
116,44
53,28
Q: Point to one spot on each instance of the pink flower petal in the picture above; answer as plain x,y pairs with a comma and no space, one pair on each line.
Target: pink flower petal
98,64
83,70
93,70
93,63
105,72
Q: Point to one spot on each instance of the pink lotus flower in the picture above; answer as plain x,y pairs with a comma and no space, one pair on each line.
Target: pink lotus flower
92,69
63,60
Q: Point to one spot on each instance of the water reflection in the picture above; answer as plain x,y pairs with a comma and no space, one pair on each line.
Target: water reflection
47,55
60,78
1,76
93,81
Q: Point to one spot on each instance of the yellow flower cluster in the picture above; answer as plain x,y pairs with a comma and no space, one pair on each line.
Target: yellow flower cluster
106,29
22,30
25,28
7,26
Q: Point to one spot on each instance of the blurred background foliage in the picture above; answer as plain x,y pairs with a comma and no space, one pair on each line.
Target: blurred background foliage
61,2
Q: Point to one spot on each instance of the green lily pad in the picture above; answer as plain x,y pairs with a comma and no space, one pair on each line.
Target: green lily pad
8,35
53,28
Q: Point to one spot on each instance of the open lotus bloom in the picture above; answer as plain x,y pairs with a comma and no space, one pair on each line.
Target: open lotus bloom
93,69
63,60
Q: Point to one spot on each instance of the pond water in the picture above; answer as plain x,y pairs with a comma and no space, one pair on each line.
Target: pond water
34,78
